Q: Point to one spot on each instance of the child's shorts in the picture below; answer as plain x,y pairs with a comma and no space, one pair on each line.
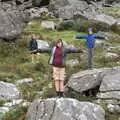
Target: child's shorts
59,73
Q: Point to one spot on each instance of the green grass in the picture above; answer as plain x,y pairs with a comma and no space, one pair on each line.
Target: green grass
15,113
15,63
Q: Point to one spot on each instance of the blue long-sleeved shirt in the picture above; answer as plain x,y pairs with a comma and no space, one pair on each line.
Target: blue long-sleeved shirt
90,39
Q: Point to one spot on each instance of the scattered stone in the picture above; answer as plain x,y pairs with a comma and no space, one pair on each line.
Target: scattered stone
25,80
113,108
13,103
8,91
111,55
48,25
3,110
42,44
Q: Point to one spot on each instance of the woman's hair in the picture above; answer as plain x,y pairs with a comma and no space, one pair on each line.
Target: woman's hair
60,40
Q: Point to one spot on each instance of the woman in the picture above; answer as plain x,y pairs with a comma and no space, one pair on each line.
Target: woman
57,60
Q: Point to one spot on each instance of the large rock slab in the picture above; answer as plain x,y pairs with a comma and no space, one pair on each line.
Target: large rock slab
110,86
64,109
85,80
8,91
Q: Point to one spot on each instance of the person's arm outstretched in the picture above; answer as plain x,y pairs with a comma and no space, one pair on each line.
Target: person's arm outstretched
44,50
99,37
74,50
80,37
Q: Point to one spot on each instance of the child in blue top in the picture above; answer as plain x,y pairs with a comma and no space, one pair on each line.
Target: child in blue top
90,41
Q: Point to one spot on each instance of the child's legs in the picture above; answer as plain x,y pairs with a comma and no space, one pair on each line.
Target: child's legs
57,85
90,57
61,86
62,79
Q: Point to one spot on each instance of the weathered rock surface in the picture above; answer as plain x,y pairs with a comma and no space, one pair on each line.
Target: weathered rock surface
48,25
37,12
42,44
113,108
64,109
110,55
107,80
25,80
85,80
110,86
13,18
8,91
68,9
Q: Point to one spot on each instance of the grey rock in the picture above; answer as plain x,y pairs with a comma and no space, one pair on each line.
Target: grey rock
113,48
37,12
111,82
25,80
42,44
105,19
48,24
13,18
85,80
101,43
113,108
64,109
72,62
13,103
68,9
109,95
110,87
8,91
3,110
111,55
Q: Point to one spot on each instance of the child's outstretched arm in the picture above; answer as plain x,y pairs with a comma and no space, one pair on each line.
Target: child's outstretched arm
45,50
99,37
74,50
80,37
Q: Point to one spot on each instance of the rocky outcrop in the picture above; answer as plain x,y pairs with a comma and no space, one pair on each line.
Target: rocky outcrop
68,9
86,80
64,109
107,80
13,17
110,87
8,91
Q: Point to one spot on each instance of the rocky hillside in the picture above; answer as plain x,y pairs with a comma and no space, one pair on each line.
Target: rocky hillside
26,87
16,13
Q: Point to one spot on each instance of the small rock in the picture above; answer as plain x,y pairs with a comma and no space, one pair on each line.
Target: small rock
13,103
111,55
25,80
42,44
113,108
8,91
3,110
48,25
